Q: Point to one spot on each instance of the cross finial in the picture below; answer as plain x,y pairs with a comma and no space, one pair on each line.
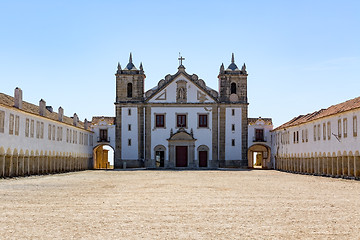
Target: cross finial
180,59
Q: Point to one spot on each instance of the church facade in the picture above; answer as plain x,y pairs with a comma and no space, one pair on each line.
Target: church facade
181,122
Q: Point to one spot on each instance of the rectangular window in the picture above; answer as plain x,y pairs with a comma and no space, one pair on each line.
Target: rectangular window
67,135
203,122
53,132
232,142
318,132
129,142
27,127
232,127
70,136
41,130
49,131
2,121
58,133
37,129
181,120
297,136
294,137
314,132
11,124
103,135
129,127
129,111
61,134
233,112
339,128
17,125
159,120
302,135
329,130
32,127
324,131
306,135
345,127
355,126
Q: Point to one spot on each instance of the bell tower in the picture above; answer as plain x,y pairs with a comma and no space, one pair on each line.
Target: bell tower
233,83
130,83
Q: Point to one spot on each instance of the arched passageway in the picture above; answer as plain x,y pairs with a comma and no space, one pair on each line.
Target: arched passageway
259,156
103,155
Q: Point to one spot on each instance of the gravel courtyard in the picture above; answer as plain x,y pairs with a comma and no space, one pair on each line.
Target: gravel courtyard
219,204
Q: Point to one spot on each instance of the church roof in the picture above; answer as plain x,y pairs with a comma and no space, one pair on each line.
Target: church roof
109,120
332,110
9,101
232,65
267,121
130,65
163,83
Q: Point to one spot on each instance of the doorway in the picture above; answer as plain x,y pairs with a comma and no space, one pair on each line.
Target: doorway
159,158
203,158
181,156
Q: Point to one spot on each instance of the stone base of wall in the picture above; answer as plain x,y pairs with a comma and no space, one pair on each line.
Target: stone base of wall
233,163
129,164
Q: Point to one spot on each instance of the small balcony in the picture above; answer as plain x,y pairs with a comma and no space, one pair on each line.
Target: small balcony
103,139
259,139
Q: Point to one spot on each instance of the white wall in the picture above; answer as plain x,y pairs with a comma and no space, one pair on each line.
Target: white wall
129,152
159,136
267,134
350,143
233,152
192,90
21,142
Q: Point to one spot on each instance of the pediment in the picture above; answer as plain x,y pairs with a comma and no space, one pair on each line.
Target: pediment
181,88
181,135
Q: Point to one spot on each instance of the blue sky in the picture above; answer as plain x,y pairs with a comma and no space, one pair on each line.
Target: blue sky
301,56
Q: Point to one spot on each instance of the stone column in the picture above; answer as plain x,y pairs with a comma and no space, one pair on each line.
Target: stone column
21,165
2,165
8,163
344,166
351,162
357,166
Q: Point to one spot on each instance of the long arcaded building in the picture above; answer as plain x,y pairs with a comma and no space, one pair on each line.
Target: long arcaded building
325,142
36,140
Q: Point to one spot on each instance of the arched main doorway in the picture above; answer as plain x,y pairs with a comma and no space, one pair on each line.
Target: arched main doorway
103,156
259,156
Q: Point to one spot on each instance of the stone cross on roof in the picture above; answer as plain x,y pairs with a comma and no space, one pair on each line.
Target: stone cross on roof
180,59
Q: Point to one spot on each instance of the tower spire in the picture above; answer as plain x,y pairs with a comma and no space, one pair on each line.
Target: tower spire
130,58
119,66
141,67
232,58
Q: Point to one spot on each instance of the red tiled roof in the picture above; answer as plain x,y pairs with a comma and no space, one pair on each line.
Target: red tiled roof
8,101
109,120
332,110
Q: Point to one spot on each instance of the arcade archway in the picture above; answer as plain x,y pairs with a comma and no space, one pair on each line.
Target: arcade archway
103,156
259,156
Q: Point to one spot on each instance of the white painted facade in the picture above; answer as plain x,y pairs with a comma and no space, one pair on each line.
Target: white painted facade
129,142
233,138
38,139
160,136
327,138
260,124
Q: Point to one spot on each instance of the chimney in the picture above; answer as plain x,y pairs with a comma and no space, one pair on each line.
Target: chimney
18,98
86,124
75,120
60,114
42,107
50,108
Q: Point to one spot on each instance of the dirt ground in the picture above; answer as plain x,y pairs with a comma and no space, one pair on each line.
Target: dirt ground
219,204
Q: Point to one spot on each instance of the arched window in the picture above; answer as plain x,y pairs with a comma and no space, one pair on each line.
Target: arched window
129,90
233,88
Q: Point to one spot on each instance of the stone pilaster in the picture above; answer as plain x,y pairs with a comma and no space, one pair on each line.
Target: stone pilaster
222,136
141,132
244,135
148,160
215,127
117,160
